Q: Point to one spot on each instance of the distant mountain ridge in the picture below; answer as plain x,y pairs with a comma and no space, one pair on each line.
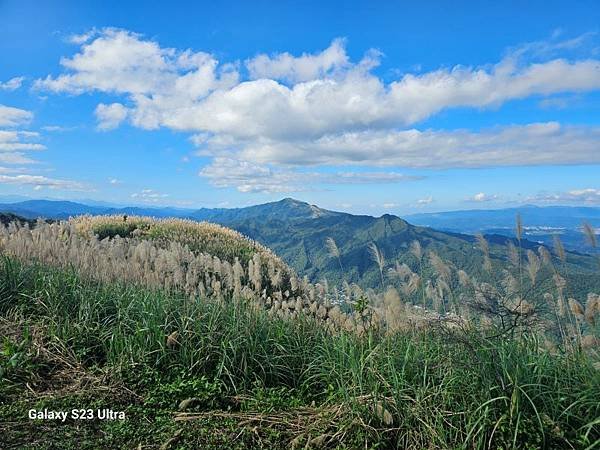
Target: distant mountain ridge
297,232
534,216
541,223
59,209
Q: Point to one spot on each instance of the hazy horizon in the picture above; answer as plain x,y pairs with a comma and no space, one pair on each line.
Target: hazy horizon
108,204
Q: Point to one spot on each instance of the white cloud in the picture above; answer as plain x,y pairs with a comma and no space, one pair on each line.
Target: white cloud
249,177
19,141
560,102
114,181
324,109
13,143
12,84
11,117
82,38
425,201
286,67
57,128
149,196
110,116
518,145
187,90
119,61
9,170
38,182
482,197
555,46
15,158
587,196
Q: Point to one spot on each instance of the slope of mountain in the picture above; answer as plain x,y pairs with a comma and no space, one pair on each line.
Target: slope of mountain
297,232
541,223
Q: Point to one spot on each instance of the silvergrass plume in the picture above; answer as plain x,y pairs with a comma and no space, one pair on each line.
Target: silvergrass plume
590,234
334,251
519,226
533,266
513,254
559,248
378,258
576,308
416,249
485,249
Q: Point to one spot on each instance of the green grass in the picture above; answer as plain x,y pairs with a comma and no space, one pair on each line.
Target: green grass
260,382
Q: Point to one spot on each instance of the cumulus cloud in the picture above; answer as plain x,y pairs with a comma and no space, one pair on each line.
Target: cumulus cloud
517,145
587,196
149,196
11,117
246,176
482,197
82,38
15,158
13,143
286,67
122,62
9,170
324,109
12,84
425,201
110,116
188,90
39,182
19,140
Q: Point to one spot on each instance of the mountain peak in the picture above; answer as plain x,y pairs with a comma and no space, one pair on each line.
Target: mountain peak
293,208
291,201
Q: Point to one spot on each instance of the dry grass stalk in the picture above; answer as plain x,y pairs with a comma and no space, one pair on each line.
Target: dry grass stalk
559,248
590,234
576,308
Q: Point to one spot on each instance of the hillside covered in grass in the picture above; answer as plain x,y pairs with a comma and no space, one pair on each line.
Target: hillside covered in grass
297,232
234,350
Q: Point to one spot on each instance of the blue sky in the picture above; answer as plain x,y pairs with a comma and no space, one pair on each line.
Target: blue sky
368,107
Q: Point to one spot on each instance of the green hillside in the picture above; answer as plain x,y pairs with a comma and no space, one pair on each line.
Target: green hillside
297,232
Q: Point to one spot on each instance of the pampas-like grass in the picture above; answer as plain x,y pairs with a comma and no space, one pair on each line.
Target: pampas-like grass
590,234
559,249
378,258
519,227
592,307
576,308
442,269
152,260
533,266
485,249
513,254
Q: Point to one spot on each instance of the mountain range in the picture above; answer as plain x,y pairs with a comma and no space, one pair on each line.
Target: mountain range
297,232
